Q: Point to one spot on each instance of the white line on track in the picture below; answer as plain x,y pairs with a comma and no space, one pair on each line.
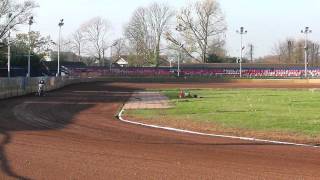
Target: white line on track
211,135
59,102
117,92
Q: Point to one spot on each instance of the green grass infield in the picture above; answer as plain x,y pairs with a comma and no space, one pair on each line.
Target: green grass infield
283,113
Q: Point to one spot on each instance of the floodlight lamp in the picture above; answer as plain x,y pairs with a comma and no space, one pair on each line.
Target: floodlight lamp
31,20
61,23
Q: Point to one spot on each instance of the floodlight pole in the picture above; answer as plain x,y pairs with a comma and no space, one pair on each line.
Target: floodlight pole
306,31
9,48
9,55
61,23
29,54
241,32
241,46
180,29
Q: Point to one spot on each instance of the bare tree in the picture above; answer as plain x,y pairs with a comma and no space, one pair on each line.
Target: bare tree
284,50
176,45
277,51
138,33
159,17
39,44
145,30
120,47
292,51
299,52
204,26
77,41
95,32
313,52
13,14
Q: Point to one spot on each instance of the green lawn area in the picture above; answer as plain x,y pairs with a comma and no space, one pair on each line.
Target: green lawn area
292,111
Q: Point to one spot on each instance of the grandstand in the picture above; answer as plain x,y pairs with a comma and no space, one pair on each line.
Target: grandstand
212,70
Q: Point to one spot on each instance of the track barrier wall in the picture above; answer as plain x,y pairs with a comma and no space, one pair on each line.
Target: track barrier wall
12,87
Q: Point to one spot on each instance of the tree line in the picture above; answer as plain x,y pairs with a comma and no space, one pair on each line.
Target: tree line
155,34
293,51
13,14
152,35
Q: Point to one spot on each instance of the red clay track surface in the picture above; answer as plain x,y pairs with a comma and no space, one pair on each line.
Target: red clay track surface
73,134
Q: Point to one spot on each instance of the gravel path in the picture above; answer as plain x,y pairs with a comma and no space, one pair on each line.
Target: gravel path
147,100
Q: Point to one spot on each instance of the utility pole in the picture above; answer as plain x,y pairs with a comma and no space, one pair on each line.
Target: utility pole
251,52
290,45
111,61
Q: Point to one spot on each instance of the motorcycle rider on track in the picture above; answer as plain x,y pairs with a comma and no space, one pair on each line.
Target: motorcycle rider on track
41,86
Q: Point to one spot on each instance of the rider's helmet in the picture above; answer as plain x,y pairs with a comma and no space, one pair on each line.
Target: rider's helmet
41,81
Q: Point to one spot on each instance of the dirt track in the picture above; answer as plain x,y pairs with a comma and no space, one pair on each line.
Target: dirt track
72,134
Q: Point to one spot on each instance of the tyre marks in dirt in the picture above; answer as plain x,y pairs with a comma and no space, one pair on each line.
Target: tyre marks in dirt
25,115
73,134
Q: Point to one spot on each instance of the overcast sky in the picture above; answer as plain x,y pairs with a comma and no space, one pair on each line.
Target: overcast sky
267,21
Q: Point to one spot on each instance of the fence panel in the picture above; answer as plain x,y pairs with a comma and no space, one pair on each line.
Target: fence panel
11,87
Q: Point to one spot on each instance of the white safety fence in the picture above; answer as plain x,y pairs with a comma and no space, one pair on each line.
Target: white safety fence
11,87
